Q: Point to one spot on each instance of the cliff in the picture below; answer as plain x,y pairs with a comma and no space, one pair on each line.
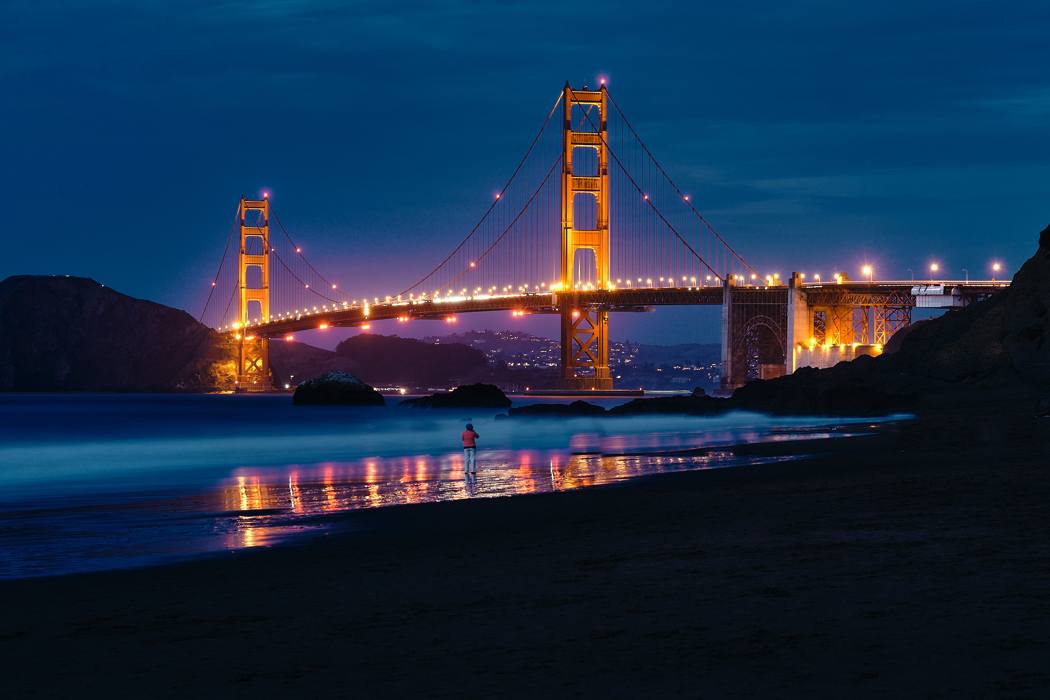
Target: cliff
74,334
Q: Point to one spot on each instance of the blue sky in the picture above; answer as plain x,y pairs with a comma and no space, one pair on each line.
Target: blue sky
813,134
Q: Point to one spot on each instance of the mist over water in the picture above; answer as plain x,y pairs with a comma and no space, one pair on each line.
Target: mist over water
103,481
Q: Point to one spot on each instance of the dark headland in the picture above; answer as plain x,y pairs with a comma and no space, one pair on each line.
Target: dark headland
912,563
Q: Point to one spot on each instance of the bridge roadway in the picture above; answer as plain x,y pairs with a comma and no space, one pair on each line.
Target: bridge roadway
622,299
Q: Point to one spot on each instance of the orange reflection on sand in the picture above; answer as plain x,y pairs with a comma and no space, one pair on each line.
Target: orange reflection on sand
330,502
294,494
526,477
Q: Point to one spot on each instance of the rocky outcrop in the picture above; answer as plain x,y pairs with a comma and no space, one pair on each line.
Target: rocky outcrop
469,396
74,334
337,388
549,410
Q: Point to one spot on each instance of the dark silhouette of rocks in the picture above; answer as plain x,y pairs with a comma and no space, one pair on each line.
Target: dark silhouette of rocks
388,360
469,396
337,388
576,408
74,334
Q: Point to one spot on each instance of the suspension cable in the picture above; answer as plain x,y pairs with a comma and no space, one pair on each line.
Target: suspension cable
677,189
647,198
299,252
301,281
222,261
517,217
495,201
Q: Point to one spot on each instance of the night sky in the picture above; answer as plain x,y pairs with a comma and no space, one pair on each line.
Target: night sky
815,135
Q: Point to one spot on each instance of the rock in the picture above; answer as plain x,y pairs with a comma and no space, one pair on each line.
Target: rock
337,388
698,392
576,408
469,396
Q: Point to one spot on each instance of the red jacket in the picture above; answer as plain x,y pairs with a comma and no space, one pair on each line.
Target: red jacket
469,436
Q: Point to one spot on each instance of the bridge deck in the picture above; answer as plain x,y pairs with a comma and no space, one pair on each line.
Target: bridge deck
621,299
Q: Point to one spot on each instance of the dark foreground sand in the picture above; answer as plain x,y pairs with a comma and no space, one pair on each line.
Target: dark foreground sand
916,564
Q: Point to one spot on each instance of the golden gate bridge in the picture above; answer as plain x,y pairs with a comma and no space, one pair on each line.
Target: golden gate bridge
588,223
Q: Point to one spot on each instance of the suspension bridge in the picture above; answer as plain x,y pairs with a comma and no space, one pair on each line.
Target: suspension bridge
589,223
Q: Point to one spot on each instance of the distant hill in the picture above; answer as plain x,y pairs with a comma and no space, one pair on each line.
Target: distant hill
389,360
74,334
292,363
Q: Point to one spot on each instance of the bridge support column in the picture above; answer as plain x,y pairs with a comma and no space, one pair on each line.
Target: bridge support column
253,356
799,323
585,349
585,330
732,376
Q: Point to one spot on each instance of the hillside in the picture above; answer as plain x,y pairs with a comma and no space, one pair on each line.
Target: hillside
996,351
74,334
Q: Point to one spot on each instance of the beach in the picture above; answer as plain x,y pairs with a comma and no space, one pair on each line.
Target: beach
910,563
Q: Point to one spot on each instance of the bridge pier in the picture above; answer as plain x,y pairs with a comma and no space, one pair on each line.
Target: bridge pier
799,322
585,349
253,366
730,378
754,329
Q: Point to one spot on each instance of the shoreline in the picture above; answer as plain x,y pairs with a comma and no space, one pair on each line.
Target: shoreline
80,543
900,564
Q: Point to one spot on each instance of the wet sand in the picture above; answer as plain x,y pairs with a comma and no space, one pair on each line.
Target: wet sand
913,563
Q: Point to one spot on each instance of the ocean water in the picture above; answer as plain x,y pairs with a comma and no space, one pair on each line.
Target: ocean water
100,481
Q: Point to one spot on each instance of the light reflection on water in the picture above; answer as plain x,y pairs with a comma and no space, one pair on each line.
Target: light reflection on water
266,500
109,481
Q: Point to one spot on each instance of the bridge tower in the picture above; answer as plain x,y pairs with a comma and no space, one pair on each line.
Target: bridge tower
585,329
253,363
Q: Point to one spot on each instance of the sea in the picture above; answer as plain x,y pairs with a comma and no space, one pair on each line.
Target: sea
91,482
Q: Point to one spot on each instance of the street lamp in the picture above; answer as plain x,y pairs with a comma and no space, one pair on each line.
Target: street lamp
966,275
933,270
868,271
911,272
995,269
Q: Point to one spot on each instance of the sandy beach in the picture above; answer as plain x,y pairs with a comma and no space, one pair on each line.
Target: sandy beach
894,565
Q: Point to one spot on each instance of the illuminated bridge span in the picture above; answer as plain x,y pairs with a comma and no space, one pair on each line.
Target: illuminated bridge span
588,223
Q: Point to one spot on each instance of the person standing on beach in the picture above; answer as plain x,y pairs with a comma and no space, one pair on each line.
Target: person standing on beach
470,447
